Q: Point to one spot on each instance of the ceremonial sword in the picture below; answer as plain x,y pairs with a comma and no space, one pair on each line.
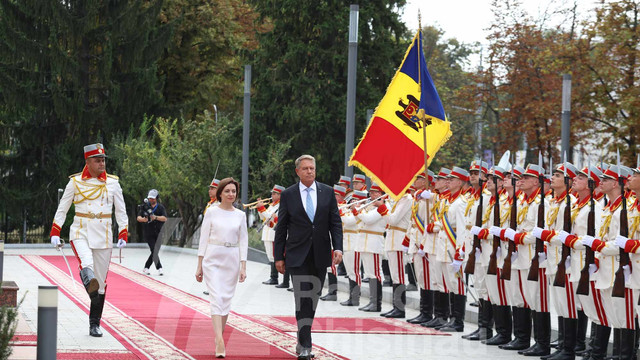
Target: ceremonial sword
59,248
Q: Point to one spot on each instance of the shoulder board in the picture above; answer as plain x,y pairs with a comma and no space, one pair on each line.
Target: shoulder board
74,175
113,176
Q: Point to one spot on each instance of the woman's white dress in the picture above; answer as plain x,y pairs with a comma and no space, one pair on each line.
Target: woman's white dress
223,244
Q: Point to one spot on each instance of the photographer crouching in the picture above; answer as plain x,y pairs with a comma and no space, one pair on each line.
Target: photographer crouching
152,215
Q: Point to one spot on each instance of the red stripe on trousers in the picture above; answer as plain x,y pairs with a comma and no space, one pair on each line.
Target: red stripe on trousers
76,254
376,264
597,302
356,266
400,267
542,281
526,306
444,282
425,273
500,289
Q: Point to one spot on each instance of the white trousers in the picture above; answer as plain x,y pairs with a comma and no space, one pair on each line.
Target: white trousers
537,292
351,261
396,266
564,298
621,312
515,289
496,287
372,265
268,248
592,305
97,260
452,279
423,271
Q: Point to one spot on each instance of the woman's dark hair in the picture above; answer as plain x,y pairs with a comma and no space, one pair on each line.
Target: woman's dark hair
223,184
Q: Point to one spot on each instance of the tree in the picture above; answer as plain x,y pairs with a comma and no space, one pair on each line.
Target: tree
300,77
71,73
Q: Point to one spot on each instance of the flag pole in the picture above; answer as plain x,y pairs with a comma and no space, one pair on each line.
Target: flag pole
424,116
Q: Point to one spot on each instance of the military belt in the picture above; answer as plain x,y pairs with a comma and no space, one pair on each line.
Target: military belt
372,232
397,228
93,216
349,231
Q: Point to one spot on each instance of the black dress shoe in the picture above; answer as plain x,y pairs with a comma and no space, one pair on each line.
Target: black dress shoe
94,330
282,286
270,282
538,350
290,289
498,339
350,302
329,297
515,344
420,319
436,322
553,354
528,349
483,334
387,283
471,334
305,354
395,314
451,328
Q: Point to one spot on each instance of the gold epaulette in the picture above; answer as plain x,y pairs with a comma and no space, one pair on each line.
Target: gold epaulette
113,176
74,175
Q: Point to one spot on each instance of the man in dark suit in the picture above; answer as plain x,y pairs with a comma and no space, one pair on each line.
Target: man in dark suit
309,225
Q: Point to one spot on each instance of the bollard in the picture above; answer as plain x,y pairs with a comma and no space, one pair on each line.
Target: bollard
47,322
1,260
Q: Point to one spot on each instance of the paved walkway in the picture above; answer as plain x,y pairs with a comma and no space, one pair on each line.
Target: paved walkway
251,298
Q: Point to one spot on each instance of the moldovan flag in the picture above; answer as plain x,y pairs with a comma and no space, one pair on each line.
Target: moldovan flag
391,151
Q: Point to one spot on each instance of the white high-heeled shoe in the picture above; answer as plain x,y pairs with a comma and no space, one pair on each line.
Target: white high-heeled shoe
220,354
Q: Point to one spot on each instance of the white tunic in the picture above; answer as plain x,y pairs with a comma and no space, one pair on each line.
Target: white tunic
221,264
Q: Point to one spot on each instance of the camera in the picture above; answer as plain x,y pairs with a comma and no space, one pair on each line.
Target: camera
145,210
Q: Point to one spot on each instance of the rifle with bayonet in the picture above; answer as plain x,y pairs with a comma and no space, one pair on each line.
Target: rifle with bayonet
618,284
493,258
513,223
471,262
562,268
583,283
535,261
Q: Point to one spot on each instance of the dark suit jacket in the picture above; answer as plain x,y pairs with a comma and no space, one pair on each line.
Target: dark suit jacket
295,233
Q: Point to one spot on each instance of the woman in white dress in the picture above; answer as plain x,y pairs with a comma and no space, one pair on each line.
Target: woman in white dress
222,255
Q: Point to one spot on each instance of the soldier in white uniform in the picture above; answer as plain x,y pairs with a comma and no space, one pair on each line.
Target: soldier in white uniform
332,271
451,249
398,222
94,194
213,187
269,218
351,257
371,245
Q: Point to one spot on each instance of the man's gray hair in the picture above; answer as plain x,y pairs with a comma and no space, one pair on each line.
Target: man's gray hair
305,157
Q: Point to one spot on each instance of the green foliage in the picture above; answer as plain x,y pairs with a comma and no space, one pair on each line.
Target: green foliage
179,159
300,77
8,324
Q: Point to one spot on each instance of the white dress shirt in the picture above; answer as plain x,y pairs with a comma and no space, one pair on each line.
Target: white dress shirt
314,195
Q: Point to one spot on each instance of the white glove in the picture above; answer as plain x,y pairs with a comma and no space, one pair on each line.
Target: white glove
121,243
461,253
627,272
587,240
592,269
562,235
456,264
405,249
514,256
537,232
542,256
499,252
621,241
567,263
427,194
421,252
478,251
510,234
55,241
495,231
475,230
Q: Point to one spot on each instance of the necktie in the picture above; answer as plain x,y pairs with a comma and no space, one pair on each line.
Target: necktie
310,210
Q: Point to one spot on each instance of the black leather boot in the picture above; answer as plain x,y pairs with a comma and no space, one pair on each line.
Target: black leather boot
459,308
273,277
581,331
485,322
95,314
567,352
615,355
399,301
332,294
534,321
89,281
426,308
411,276
588,344
354,295
440,309
393,304
375,297
557,343
386,273
601,342
502,316
543,335
521,330
627,344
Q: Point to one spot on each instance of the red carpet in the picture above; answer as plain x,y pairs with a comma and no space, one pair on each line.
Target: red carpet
156,321
347,325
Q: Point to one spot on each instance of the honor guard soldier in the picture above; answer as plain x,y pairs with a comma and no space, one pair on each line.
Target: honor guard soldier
563,297
359,182
441,303
95,194
351,257
477,173
617,312
345,182
423,206
332,271
269,217
451,254
493,249
574,331
535,291
398,222
212,195
371,244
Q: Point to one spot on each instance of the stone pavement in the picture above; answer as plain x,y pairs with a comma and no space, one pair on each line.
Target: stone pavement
251,298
